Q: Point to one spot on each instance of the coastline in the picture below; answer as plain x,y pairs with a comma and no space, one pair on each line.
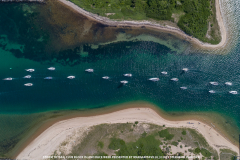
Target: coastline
127,112
151,25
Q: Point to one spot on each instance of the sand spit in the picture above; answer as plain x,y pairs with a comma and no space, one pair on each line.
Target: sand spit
152,25
49,141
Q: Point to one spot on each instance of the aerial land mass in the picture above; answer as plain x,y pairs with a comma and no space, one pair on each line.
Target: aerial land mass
195,18
118,133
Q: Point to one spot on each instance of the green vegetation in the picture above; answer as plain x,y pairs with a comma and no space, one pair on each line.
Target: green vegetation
197,150
192,16
142,147
100,144
174,143
205,153
165,134
116,143
184,132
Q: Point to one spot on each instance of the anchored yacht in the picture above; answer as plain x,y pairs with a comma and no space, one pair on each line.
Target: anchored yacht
89,70
51,68
27,76
28,84
214,83
164,72
71,77
127,75
30,70
211,91
105,77
183,88
233,92
185,69
154,79
8,79
48,78
124,82
228,83
174,79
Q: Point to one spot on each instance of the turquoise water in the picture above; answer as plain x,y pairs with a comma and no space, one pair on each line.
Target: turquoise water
22,46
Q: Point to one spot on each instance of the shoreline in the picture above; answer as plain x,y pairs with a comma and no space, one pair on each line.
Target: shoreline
151,25
118,114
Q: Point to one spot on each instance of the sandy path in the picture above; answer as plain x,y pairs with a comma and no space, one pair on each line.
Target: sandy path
47,142
149,24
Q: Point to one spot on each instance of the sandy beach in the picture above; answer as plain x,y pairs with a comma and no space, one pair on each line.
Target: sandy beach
50,139
159,27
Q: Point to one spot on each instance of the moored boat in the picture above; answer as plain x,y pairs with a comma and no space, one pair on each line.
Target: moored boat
30,70
183,88
27,76
89,70
48,78
164,72
174,79
214,83
71,77
124,82
105,77
51,68
153,79
127,75
233,92
8,79
228,83
211,91
28,84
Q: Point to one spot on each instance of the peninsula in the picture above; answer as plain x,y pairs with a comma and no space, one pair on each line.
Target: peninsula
68,131
205,29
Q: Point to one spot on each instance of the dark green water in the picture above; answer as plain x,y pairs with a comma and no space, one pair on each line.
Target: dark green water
23,47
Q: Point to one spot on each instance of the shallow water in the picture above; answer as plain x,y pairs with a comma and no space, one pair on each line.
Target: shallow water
26,45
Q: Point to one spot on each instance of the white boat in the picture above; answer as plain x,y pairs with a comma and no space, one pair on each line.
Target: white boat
28,84
105,77
214,83
51,68
183,88
8,79
127,75
48,78
71,77
233,92
185,69
228,83
89,70
27,76
30,70
164,72
174,79
153,79
124,82
211,91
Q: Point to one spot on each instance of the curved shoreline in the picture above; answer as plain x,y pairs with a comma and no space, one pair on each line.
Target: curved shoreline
152,25
56,132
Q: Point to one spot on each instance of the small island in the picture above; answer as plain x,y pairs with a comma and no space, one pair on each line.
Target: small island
195,18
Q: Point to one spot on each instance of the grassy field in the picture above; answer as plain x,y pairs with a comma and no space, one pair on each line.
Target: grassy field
131,139
196,18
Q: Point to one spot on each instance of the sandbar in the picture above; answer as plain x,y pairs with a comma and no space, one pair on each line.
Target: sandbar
50,139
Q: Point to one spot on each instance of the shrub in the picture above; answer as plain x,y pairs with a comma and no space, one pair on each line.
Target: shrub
116,143
197,150
184,132
165,134
174,143
136,122
205,152
100,144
